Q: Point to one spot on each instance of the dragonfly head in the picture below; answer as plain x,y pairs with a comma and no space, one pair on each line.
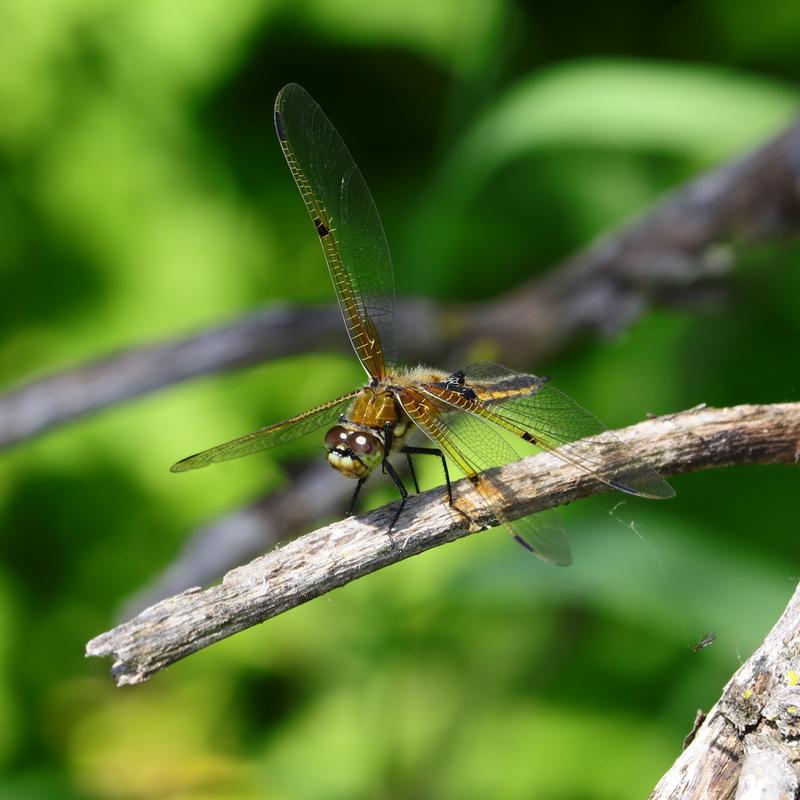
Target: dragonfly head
354,452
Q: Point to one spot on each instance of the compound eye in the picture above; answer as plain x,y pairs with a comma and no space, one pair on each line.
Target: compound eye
364,444
336,437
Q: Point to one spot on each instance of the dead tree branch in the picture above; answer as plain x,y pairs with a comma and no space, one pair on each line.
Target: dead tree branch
333,556
748,745
663,258
315,492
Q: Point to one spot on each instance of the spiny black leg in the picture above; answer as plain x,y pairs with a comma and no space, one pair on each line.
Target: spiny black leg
387,444
447,479
411,470
355,496
431,451
400,488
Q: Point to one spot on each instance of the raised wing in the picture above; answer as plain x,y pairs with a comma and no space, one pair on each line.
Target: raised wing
347,223
529,407
474,447
271,436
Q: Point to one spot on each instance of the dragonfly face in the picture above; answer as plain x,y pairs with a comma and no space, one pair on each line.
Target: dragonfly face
363,437
353,451
460,413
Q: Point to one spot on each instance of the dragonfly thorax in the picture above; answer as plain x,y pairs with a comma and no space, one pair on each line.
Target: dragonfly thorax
376,407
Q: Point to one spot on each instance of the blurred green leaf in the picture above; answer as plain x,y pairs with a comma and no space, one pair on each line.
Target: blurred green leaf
699,113
702,112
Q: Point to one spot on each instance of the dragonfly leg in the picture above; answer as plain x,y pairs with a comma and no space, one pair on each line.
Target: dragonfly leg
388,435
355,496
400,488
411,470
430,451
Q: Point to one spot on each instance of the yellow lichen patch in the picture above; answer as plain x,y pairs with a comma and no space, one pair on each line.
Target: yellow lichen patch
792,709
792,678
748,693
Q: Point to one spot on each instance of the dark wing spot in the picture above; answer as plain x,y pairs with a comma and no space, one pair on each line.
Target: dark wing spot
527,437
279,126
322,228
474,479
622,487
520,540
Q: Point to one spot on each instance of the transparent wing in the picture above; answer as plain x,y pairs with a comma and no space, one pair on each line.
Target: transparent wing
541,414
271,436
474,447
347,222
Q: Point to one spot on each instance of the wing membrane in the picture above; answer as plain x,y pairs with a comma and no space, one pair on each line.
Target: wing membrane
347,222
543,415
271,436
474,447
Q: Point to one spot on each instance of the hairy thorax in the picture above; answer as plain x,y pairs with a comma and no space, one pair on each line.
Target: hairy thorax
377,405
375,422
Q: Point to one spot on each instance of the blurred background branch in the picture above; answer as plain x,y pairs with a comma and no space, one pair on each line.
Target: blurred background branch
331,557
672,256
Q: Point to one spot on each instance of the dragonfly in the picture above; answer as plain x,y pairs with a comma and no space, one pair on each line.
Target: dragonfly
467,416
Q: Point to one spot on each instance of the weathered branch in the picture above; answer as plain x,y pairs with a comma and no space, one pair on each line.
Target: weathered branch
748,744
658,259
315,492
335,555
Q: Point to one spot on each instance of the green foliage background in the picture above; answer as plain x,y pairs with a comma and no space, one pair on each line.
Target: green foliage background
143,195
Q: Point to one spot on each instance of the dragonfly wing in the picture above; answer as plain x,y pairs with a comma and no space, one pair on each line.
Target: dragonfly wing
543,415
347,222
474,446
271,436
543,534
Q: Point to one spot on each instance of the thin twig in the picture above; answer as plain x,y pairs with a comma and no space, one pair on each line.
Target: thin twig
333,556
667,257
